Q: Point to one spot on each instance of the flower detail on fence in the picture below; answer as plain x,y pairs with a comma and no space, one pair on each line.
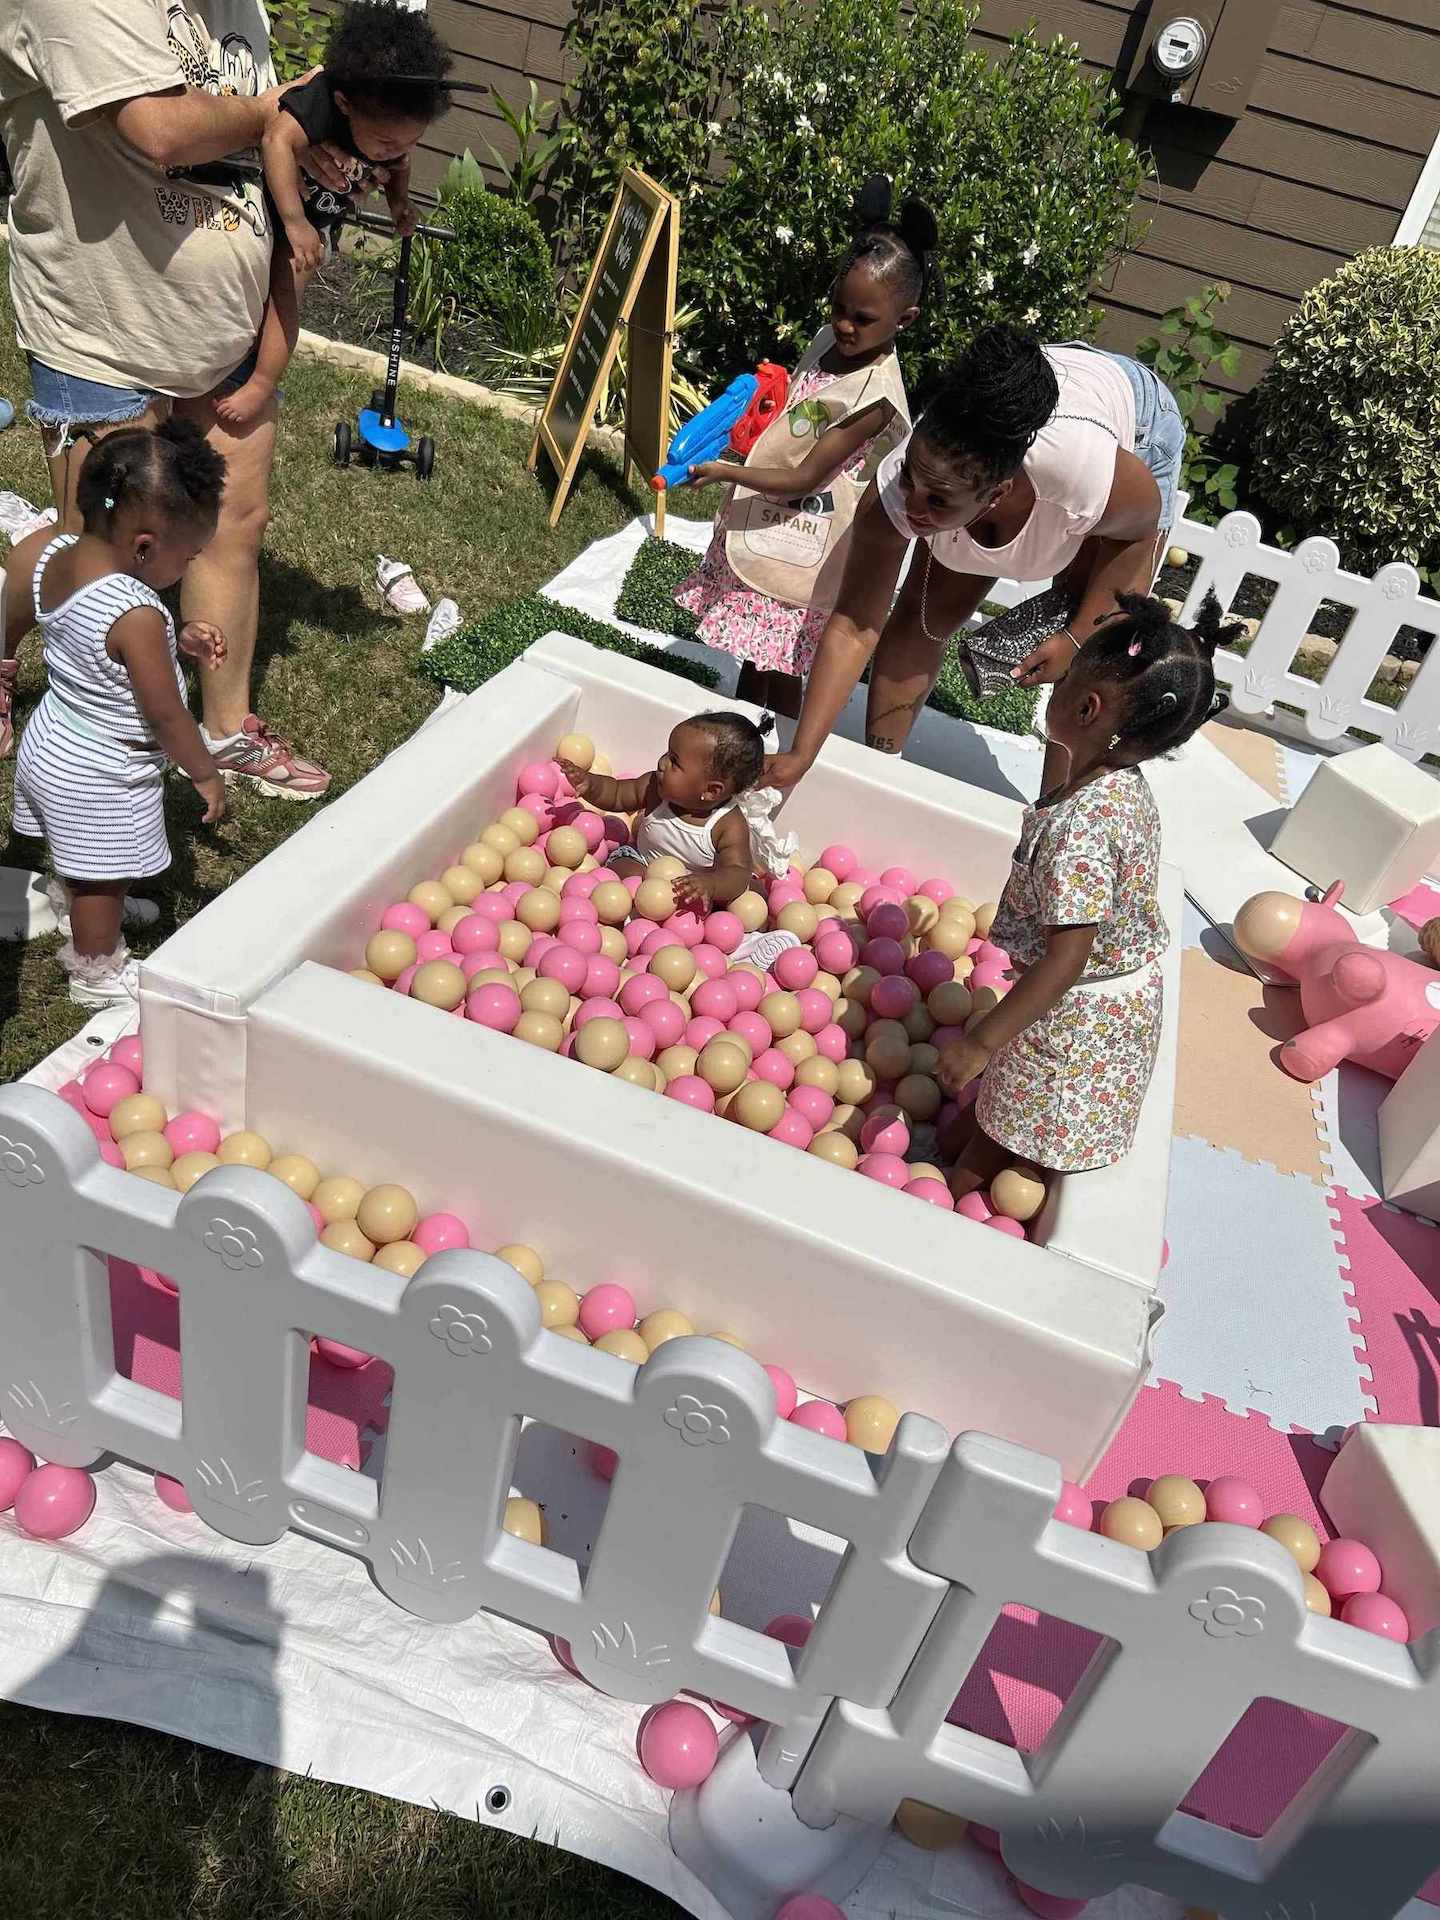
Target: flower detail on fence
697,1423
463,1333
1316,560
1226,1613
19,1164
1237,533
236,1246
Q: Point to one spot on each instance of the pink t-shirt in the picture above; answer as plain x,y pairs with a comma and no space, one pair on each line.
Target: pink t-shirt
1071,467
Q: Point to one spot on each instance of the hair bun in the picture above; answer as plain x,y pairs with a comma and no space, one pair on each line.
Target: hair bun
918,228
874,200
1211,629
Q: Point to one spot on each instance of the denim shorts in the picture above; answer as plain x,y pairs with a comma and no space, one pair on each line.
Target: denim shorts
61,401
1159,432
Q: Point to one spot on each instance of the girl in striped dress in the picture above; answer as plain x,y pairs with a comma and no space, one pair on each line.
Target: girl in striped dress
89,775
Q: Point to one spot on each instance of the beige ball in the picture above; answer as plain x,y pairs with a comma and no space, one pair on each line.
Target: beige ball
501,838
858,984
922,1170
189,1168
612,944
527,864
921,912
887,1049
137,1113
730,1339
1134,1523
541,1030
846,898
917,1096
611,901
948,937
624,1343
602,1043
1316,1598
522,823
463,885
565,847
828,984
387,1213
146,1150
751,911
524,1260
245,1149
432,897
817,1071
798,918
451,919
514,940
1177,1500
675,966
157,1176
388,953
856,1081
834,1147
797,1047
665,1324
545,996
924,1058
293,1170
781,1013
677,1062
364,973
870,1422
852,1018
570,1333
819,884
919,1023
500,976
485,860
665,867
985,918
402,1257
555,878
929,1827
1297,1537
439,983
539,910
722,1064
1018,1193
635,1072
525,1520
960,913
559,1304
847,1119
655,899
602,763
337,1198
1176,557
825,912
344,1236
578,749
758,1105
949,1004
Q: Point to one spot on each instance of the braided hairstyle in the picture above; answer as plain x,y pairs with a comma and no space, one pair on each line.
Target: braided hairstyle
737,748
992,403
1165,673
372,43
173,471
901,254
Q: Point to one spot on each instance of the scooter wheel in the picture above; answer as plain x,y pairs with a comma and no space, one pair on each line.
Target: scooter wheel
342,443
425,458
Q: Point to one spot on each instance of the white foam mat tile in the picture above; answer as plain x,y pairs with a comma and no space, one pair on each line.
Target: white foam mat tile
1347,1109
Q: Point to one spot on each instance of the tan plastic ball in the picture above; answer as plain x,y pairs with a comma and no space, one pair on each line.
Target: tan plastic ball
887,1049
849,1120
555,878
665,867
828,983
917,1096
958,903
984,1000
439,983
463,885
924,1058
578,749
798,918
541,1030
452,917
389,952
819,883
485,860
570,1333
730,1339
1018,1193
751,911
635,1072
364,973
602,1043
522,823
798,1047
665,1324
948,937
611,901
344,1236
337,1198
846,898
856,1081
137,1113
949,1004
500,838
293,1170
922,1170
387,1213
870,1422
858,984
1316,1597
559,1304
524,1260
539,910
964,967
781,1013
922,913
432,897
191,1167
1297,1537
624,1343
514,940
929,1827
825,912
985,918
1177,1500
402,1257
1135,1523
919,1023
675,966
157,1176
758,1105
545,996
959,913
525,1520
723,1064
612,945
834,1147
677,1062
851,1017
565,847
527,864
146,1150
500,976
602,763
245,1149
655,899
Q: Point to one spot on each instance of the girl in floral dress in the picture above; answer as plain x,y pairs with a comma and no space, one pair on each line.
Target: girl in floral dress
764,589
1066,1056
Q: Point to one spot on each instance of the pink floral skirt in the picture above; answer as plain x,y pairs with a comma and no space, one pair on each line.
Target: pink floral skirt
769,634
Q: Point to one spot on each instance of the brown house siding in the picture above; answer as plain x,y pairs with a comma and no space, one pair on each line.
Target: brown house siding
1321,164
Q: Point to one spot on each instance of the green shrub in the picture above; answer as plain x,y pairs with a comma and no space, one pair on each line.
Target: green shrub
1185,353
298,32
647,596
1348,439
477,652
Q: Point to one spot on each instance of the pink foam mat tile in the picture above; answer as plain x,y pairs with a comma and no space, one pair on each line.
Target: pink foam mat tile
1420,904
1394,1280
346,1405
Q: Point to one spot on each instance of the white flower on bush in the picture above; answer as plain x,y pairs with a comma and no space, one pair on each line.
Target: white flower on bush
821,91
986,282
803,123
1030,316
713,129
1030,255
979,241
784,235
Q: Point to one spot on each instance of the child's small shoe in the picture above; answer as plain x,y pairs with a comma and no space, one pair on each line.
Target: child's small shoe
101,980
764,949
399,588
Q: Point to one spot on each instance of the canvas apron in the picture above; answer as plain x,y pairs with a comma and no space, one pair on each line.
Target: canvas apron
794,550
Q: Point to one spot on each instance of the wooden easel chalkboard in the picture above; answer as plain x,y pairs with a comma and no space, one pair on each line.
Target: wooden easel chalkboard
631,289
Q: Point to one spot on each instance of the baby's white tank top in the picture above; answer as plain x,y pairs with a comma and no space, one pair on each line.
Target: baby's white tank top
663,831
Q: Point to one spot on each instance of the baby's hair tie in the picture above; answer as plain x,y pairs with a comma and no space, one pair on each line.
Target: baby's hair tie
1169,701
1133,650
109,503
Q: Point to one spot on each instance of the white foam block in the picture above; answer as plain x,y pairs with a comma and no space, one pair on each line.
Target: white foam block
1384,1489
1410,1133
1368,818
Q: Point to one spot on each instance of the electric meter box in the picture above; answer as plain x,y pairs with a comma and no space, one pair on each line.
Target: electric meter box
1203,53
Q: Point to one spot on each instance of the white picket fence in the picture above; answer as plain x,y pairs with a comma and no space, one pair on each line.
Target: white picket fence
940,1539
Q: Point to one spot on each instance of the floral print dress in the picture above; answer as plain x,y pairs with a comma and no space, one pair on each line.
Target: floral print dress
1066,1093
770,634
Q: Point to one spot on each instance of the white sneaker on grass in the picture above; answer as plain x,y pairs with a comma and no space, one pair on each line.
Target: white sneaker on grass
104,980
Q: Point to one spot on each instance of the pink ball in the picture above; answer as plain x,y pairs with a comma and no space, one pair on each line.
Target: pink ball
836,950
1345,1566
753,1028
708,960
641,991
882,1135
602,1461
491,906
772,1065
839,860
597,1009
687,928
715,1000
17,1463
862,877
592,827
937,890
929,970
403,918
785,893
1237,1503
1074,1506
434,945
580,886
637,932
111,1154
602,978
564,964
106,1085
893,997
351,1359
678,1744
1376,1613
317,1220
514,893
582,937
401,982
642,1037
73,1096
476,933
616,831
691,1091
749,991
810,1906
128,1053
473,963
100,1128
885,956
577,906
832,1043
793,1629
723,930
935,1191
495,1007
792,1129
989,955
886,921
172,1494
438,1232
816,1010
974,1207
973,946
818,1416
786,1393
666,1022
541,776
606,1308
542,809
653,942
796,969
1003,1224
986,1837
540,945
816,1105
901,878
988,975
193,1133
54,1501
1049,1906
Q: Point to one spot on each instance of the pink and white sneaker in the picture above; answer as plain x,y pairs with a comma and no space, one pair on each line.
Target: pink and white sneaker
268,761
9,674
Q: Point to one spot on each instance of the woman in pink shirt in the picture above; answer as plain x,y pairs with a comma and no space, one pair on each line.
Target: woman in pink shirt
1030,463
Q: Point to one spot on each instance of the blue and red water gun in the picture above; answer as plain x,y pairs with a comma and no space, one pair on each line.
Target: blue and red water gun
735,421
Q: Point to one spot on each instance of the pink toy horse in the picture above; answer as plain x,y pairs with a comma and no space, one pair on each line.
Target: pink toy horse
1361,1003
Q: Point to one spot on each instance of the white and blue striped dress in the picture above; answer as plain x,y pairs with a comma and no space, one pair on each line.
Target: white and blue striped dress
88,777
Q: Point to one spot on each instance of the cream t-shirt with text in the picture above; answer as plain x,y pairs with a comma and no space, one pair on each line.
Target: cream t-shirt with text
120,273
